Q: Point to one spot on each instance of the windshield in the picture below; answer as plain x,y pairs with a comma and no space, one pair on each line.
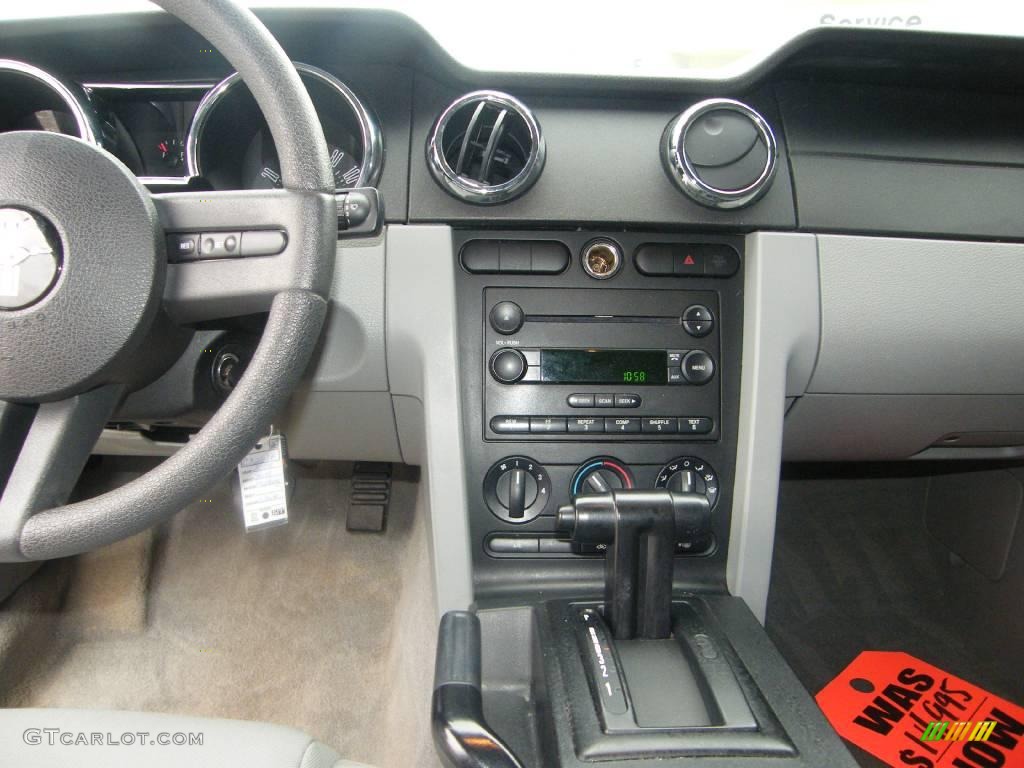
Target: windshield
641,38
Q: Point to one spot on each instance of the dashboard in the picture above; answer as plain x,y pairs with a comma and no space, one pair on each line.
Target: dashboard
602,280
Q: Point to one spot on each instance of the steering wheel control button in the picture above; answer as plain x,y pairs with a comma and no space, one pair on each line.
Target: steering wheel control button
219,245
601,259
263,242
659,425
627,401
696,425
547,424
506,317
622,424
580,401
510,425
30,258
698,367
508,365
698,321
584,424
182,247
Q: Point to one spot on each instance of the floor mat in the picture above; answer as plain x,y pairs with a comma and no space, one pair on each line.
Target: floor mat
305,625
854,569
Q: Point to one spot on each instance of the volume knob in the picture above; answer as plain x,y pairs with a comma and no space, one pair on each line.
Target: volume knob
508,365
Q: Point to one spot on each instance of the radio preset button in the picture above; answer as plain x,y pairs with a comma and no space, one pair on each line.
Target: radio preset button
695,425
510,424
627,400
580,401
622,424
583,424
604,401
698,321
547,424
657,424
698,367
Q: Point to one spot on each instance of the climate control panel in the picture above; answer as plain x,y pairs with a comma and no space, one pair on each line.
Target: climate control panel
520,491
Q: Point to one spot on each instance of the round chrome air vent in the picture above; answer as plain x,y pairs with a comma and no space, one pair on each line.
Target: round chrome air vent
721,153
486,148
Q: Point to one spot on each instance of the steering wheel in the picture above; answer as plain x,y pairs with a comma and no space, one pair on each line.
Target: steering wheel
67,359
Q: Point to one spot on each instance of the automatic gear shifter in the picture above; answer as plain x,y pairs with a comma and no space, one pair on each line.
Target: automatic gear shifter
640,528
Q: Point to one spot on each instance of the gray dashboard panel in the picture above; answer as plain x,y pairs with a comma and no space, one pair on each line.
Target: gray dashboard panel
902,316
891,427
780,339
422,346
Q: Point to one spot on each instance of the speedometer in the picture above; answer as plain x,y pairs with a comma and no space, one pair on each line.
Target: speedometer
230,145
261,169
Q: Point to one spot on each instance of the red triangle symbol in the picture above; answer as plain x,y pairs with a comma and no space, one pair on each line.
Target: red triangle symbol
688,261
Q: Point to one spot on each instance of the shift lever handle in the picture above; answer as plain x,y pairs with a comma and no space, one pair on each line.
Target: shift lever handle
641,528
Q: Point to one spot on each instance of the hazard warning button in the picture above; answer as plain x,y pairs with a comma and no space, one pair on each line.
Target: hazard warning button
907,712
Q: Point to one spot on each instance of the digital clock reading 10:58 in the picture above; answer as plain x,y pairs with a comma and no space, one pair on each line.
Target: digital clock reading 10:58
604,366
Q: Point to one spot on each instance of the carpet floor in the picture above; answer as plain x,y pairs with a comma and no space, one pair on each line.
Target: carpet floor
305,625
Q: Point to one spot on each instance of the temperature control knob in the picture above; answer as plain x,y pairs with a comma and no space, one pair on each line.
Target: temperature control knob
517,489
601,475
508,365
689,474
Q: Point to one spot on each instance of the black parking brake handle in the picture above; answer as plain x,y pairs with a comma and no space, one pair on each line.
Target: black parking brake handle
461,734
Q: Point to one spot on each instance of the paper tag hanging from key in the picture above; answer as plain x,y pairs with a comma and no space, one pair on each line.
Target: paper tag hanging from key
261,476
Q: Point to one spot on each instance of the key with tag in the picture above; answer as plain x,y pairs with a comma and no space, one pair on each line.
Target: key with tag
264,487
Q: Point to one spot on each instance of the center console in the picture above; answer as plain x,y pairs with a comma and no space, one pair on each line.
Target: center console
600,373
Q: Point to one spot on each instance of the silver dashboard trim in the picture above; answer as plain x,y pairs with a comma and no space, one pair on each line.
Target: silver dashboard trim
85,119
373,147
685,176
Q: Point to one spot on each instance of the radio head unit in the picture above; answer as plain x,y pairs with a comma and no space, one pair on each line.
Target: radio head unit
573,366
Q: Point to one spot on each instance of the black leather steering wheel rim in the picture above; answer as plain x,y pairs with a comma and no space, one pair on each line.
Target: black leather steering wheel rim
29,528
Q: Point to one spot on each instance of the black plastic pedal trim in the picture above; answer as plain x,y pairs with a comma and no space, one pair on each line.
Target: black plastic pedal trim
370,495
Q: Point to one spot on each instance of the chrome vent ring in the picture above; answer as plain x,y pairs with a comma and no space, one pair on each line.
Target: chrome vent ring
721,153
486,148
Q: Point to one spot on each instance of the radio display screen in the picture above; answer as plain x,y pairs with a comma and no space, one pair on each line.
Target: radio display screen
604,366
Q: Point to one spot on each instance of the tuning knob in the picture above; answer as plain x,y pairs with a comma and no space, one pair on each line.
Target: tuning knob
517,489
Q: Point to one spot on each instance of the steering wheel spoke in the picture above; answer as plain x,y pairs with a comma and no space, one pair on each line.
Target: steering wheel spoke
227,266
43,454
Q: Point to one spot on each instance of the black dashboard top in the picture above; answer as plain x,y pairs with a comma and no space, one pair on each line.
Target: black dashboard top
878,131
